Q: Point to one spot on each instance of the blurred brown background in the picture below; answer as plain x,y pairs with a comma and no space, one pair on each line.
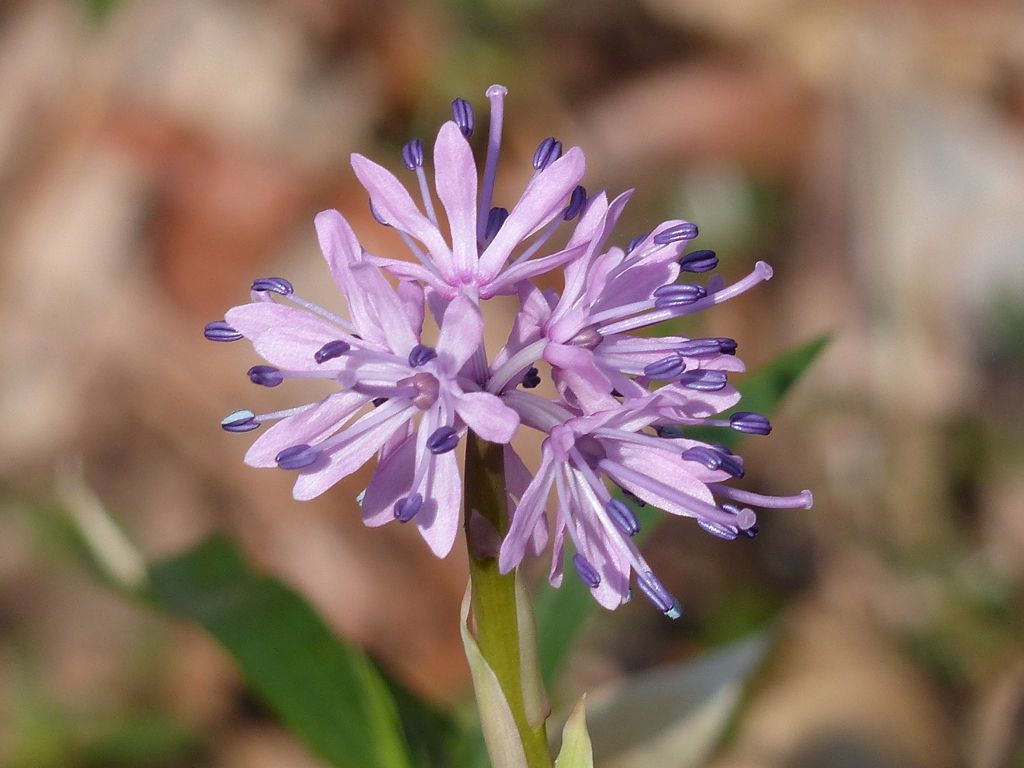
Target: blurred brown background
158,155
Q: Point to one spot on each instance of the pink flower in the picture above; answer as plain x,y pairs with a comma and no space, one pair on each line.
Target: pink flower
424,402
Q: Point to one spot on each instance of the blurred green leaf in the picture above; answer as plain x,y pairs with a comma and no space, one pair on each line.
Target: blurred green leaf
561,613
327,693
99,11
672,716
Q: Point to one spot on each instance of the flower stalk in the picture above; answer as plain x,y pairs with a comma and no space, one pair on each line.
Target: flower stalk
494,619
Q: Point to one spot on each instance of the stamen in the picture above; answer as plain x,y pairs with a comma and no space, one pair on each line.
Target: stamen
412,154
588,574
655,591
635,242
728,345
549,150
495,219
674,234
750,423
531,379
265,375
496,95
746,518
700,348
379,401
625,519
698,261
331,350
704,381
732,465
577,200
443,440
219,330
803,500
273,285
406,509
421,355
709,458
296,457
462,112
666,368
240,421
678,295
727,532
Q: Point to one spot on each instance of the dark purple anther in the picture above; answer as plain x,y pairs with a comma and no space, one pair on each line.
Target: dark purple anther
700,348
678,295
377,216
443,440
666,368
219,330
421,355
406,509
495,218
625,519
531,379
636,241
698,261
704,381
379,401
674,234
576,203
655,591
722,449
463,114
751,423
412,154
265,375
750,532
727,532
240,421
733,466
728,346
296,457
331,350
549,150
706,456
588,574
273,285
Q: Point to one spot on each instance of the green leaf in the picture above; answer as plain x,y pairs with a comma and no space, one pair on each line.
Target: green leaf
576,751
672,716
561,613
328,694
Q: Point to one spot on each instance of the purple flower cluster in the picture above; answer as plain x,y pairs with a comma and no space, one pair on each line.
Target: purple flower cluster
621,399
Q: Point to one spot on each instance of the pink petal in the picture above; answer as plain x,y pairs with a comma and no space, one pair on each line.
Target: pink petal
487,416
406,270
527,513
338,242
309,427
391,481
284,336
527,269
455,178
461,333
410,295
545,196
578,370
378,300
392,201
439,518
348,456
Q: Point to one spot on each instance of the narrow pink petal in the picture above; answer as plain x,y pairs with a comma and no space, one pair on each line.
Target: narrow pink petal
338,242
390,482
284,336
309,427
487,416
379,301
410,295
462,331
528,269
544,197
392,201
558,554
439,520
406,270
455,178
689,477
347,456
527,513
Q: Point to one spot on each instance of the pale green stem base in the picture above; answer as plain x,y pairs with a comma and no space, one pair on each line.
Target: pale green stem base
494,595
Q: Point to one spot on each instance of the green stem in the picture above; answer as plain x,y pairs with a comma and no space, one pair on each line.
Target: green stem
494,595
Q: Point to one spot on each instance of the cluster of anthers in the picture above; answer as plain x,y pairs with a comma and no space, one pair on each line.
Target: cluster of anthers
623,401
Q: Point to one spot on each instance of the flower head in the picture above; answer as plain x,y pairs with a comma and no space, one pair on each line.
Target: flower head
617,429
